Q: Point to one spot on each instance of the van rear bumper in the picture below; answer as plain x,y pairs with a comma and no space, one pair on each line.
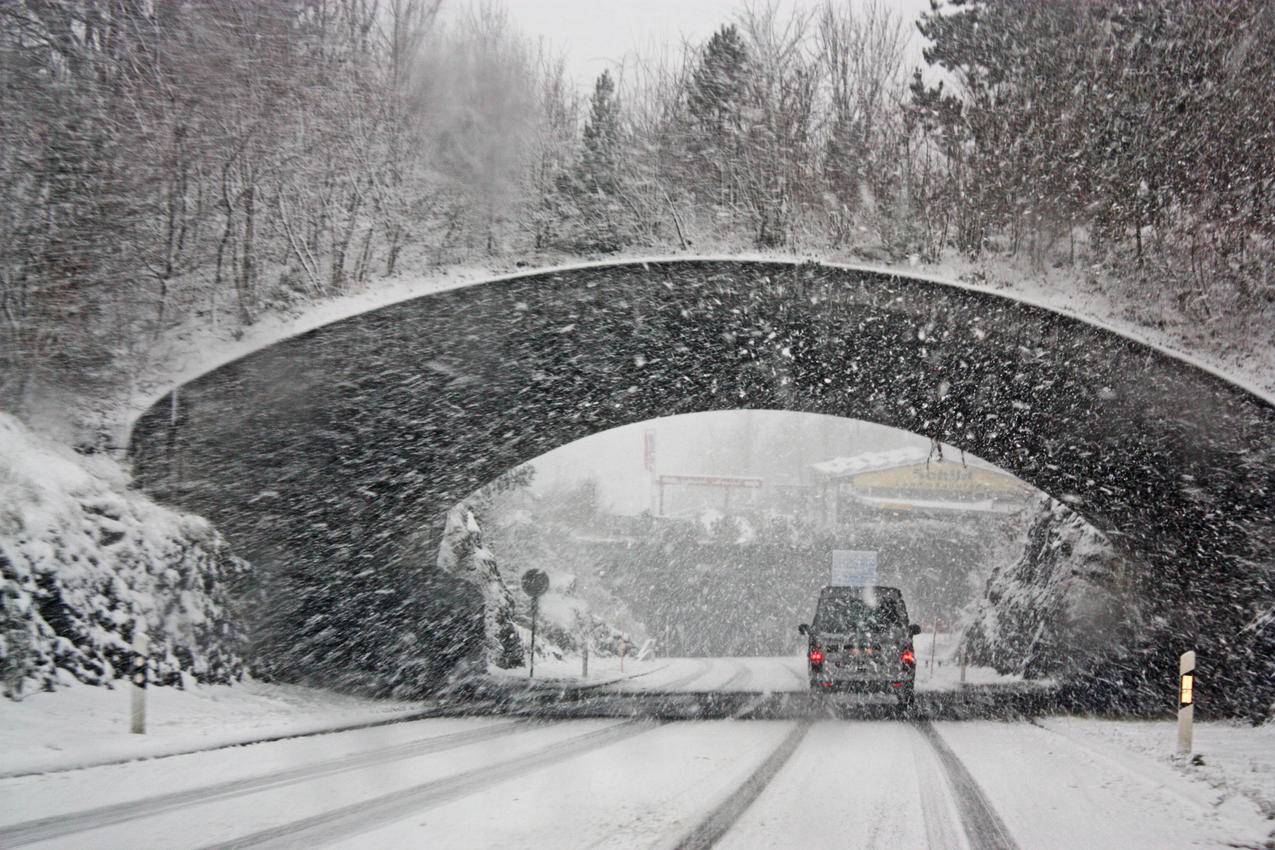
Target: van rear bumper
869,686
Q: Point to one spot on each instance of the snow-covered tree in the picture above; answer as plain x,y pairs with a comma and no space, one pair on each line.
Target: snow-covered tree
463,554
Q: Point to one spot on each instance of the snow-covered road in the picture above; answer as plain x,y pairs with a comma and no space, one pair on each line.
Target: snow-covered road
778,674
501,782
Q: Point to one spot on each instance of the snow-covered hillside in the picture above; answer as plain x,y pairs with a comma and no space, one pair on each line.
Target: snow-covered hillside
1059,606
83,560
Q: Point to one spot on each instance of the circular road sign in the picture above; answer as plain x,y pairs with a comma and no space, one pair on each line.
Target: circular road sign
535,582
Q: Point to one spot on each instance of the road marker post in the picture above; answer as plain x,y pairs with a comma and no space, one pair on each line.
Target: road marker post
1186,701
141,646
534,584
584,673
934,640
531,663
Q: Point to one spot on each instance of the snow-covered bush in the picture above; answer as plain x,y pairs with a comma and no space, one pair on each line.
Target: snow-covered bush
83,561
566,622
1060,606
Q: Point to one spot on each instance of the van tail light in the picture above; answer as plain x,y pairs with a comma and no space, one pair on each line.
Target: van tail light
816,656
908,657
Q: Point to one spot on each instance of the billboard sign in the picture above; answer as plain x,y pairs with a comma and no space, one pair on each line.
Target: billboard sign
853,568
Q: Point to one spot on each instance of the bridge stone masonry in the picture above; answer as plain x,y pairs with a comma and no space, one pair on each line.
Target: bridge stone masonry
329,459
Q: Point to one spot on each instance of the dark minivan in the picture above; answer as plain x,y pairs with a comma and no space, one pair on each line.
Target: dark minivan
861,640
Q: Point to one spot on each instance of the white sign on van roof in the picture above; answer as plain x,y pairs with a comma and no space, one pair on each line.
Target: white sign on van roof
853,568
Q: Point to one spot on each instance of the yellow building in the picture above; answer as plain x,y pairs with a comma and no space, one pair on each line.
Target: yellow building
910,482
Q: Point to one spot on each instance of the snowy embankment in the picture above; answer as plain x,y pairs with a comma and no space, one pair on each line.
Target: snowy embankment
1236,760
84,562
938,666
80,726
1068,782
191,349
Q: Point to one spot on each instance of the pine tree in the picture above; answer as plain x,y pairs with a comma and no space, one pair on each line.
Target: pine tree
720,84
599,164
602,222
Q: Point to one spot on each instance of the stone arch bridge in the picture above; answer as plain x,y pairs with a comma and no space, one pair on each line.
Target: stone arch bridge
328,458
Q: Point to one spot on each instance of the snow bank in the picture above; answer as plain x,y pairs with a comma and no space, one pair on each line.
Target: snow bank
566,620
81,726
1237,760
83,560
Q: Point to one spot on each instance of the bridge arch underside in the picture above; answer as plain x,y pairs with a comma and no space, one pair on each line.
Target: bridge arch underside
320,456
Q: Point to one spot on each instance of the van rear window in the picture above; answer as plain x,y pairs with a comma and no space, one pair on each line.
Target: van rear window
852,614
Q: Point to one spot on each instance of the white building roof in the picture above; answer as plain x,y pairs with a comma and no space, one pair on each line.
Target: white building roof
841,467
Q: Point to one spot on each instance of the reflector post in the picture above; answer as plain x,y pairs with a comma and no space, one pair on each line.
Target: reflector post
1186,701
137,707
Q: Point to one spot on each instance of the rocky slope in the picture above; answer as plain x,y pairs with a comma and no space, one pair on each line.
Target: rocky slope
85,562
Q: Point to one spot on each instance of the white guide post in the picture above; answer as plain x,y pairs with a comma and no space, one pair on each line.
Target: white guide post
934,642
141,646
584,673
1186,701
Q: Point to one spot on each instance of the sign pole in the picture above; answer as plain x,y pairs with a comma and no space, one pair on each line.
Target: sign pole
141,646
531,665
1186,701
534,584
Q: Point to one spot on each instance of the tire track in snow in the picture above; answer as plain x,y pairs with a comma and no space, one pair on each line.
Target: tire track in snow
738,679
983,827
802,678
710,830
702,667
356,818
943,827
57,826
618,680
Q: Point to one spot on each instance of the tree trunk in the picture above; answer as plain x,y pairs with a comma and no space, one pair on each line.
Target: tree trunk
248,271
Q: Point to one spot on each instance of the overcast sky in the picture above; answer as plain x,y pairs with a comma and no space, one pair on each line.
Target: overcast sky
768,444
594,35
